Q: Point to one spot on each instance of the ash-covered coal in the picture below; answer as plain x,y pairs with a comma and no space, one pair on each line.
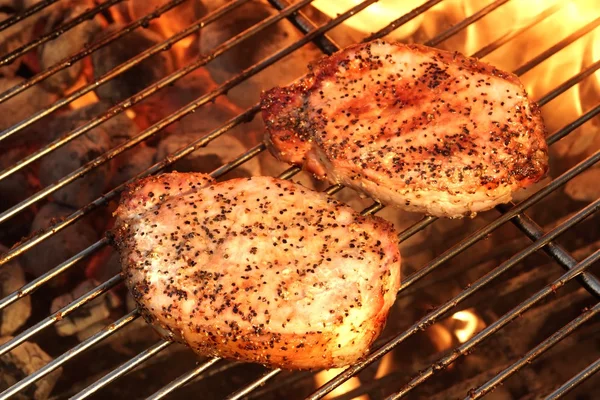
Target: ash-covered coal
23,361
21,106
65,45
253,50
70,157
60,246
12,278
137,78
218,152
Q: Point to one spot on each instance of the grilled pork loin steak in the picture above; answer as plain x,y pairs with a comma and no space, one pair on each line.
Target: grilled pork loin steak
411,126
257,269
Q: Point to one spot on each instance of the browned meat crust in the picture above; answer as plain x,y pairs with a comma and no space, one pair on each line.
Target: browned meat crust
257,269
411,126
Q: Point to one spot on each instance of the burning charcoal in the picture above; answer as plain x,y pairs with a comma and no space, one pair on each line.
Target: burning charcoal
22,361
11,39
584,187
103,265
132,163
71,156
64,46
21,106
119,128
13,189
170,22
14,316
89,314
137,78
253,50
218,152
60,246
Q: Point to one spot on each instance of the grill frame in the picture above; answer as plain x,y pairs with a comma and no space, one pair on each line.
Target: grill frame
317,35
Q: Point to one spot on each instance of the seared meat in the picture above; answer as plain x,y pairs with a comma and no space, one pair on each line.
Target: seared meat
423,129
257,269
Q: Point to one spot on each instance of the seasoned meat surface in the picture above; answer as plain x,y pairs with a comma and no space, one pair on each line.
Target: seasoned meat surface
411,126
257,269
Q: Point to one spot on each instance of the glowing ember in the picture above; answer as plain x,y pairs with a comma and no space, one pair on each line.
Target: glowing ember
86,99
471,324
325,376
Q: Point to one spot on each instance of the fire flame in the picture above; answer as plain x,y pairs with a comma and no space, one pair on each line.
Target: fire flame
471,324
325,376
374,17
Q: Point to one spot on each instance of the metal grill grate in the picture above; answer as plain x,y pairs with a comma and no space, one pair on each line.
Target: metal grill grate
515,213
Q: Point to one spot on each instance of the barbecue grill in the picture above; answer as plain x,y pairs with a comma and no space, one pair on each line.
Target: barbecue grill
534,238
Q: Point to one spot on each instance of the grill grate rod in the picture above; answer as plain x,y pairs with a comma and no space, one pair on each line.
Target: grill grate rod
397,23
58,315
183,379
98,384
249,388
68,61
13,55
576,380
554,250
496,44
28,12
470,344
123,369
433,316
465,22
124,67
573,125
35,284
558,46
24,246
534,353
323,42
66,356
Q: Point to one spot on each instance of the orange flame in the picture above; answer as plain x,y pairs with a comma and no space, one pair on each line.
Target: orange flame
325,376
470,325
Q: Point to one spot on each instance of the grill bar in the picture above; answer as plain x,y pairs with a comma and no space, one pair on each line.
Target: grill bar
500,323
323,42
465,22
573,125
247,389
35,284
534,353
13,55
392,26
27,13
576,380
122,369
554,93
558,46
58,315
183,379
554,250
57,362
210,18
67,62
495,45
433,316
